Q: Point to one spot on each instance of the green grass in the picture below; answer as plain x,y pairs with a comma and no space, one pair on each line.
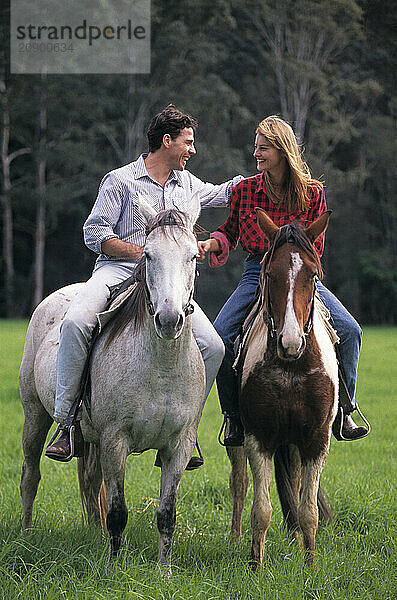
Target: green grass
61,559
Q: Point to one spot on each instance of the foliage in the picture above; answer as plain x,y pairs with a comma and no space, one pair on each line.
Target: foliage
327,67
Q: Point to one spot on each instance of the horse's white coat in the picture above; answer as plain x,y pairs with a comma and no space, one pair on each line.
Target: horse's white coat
291,337
327,351
147,392
256,346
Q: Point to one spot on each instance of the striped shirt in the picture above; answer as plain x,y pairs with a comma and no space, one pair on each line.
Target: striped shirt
115,212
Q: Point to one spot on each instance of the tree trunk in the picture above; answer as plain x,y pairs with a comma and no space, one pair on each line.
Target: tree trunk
129,126
8,241
40,232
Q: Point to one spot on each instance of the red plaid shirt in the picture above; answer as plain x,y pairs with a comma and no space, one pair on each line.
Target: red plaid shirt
242,222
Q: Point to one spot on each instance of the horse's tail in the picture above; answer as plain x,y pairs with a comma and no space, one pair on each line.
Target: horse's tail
288,500
92,487
325,508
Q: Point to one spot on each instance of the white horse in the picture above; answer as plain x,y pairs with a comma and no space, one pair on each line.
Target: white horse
147,382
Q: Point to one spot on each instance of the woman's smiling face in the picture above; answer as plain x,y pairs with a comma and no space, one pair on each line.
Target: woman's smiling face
267,156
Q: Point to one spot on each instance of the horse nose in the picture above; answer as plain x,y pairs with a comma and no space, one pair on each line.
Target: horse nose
292,349
168,323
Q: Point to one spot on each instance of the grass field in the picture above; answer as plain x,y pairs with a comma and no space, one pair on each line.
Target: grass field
62,559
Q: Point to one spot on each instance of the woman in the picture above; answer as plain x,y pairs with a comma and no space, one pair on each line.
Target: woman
285,189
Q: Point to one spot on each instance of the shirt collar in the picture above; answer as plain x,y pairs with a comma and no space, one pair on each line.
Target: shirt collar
141,171
140,167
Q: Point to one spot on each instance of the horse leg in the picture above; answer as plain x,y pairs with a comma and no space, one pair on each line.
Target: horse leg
172,469
238,484
308,510
35,429
113,454
261,467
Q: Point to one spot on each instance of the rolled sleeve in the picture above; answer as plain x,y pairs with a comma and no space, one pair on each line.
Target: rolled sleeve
219,259
101,222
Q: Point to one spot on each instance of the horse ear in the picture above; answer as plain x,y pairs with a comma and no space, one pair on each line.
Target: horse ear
195,207
266,224
318,227
145,209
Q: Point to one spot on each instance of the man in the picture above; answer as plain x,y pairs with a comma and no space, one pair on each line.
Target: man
115,230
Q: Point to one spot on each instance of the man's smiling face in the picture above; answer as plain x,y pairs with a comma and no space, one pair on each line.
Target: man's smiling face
180,149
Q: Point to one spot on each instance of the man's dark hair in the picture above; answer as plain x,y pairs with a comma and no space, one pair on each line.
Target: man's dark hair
170,120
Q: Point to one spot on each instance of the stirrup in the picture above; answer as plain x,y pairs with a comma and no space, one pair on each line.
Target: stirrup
58,431
338,431
222,429
196,461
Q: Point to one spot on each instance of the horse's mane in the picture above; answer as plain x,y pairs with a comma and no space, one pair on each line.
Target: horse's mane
294,233
134,308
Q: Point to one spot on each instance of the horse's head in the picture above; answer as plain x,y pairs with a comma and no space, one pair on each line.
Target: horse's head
288,281
170,255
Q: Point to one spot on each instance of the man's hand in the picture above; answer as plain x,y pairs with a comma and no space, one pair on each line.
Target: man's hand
120,249
210,245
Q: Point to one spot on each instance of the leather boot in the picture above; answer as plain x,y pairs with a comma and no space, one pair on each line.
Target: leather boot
234,435
349,430
61,449
69,444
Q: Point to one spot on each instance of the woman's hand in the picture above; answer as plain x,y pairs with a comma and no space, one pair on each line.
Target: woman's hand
210,245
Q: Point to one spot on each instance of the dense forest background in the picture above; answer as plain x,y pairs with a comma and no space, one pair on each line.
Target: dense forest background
328,67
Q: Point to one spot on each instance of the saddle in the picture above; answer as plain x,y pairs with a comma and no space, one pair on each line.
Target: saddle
345,405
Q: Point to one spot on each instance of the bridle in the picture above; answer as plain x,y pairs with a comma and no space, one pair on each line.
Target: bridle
267,307
188,309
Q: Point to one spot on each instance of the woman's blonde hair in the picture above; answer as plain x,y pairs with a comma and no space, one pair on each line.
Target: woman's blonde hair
281,136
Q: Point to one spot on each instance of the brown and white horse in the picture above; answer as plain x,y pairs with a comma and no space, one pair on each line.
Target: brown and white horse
289,390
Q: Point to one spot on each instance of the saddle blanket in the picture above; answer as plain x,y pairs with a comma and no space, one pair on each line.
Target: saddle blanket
119,294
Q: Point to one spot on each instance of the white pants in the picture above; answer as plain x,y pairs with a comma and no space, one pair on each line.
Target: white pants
79,323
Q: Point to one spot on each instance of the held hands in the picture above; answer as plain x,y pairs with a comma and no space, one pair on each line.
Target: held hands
210,245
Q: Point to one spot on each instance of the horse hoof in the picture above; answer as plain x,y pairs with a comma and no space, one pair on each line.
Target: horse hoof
254,565
309,559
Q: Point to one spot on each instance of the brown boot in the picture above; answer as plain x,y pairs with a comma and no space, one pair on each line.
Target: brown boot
347,429
61,449
351,431
69,444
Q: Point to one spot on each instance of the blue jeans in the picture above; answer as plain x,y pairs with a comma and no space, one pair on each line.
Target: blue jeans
232,315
